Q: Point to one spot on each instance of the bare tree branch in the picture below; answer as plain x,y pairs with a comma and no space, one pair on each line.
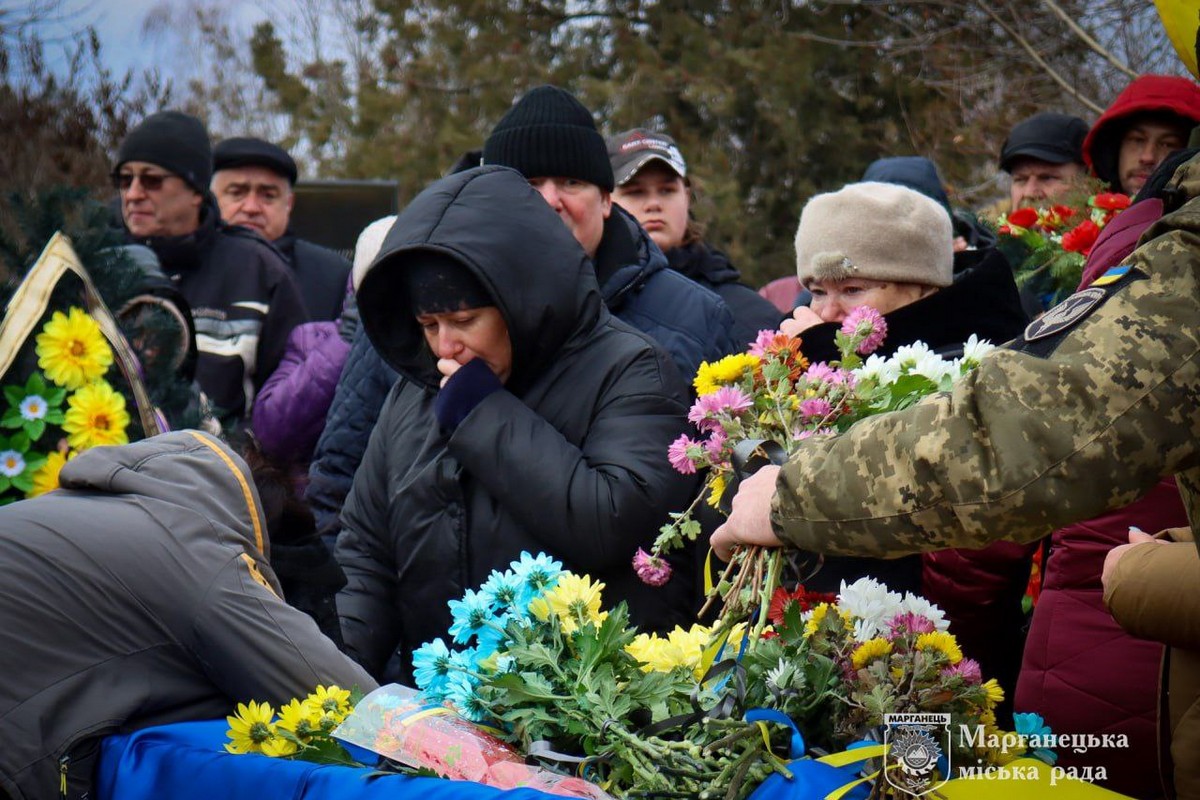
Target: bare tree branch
1041,62
1087,38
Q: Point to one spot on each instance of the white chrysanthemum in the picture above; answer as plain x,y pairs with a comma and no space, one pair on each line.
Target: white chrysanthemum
973,350
907,355
932,366
873,605
915,604
882,370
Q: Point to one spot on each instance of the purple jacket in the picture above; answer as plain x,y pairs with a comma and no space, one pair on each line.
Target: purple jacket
289,412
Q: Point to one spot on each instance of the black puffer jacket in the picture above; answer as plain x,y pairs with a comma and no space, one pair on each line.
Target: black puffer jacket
569,458
711,269
321,275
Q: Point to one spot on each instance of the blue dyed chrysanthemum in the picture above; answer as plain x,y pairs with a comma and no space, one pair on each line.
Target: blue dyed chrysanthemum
1033,725
431,666
461,692
537,574
504,589
471,615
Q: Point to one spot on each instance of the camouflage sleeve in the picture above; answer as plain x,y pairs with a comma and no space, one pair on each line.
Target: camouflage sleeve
1083,413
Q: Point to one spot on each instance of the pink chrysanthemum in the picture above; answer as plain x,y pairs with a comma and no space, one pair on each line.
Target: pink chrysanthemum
652,570
800,436
868,323
677,454
967,669
815,408
908,622
727,399
819,372
761,342
715,444
842,377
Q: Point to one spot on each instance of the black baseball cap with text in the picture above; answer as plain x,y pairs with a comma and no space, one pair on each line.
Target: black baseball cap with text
631,150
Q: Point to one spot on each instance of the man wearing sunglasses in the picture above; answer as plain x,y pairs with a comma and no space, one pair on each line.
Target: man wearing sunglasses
241,292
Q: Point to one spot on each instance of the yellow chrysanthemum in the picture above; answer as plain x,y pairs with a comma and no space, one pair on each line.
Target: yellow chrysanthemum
716,490
680,649
729,369
331,700
71,350
96,416
575,600
278,747
250,727
869,651
942,642
301,718
819,612
995,695
45,477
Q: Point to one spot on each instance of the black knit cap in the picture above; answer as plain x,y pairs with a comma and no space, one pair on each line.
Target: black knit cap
435,283
247,151
549,134
175,141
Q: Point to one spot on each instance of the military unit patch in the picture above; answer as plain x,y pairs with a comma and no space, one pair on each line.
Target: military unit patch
1048,329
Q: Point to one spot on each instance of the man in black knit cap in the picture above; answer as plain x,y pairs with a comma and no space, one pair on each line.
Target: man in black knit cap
253,180
241,292
550,138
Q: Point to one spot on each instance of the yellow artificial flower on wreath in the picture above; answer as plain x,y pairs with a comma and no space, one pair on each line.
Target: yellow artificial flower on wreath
72,351
869,651
45,477
943,642
250,728
711,377
96,416
575,600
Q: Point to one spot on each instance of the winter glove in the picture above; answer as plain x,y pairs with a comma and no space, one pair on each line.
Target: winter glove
466,389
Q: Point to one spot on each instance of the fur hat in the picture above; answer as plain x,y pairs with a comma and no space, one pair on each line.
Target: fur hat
549,133
877,231
367,247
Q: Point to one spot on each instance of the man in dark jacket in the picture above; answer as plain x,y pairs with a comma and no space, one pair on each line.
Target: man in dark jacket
253,180
167,611
548,436
240,290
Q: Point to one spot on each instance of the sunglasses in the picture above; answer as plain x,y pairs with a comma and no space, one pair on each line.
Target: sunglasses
149,181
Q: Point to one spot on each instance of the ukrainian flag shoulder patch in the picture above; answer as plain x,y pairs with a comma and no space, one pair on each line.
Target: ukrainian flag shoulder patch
1112,276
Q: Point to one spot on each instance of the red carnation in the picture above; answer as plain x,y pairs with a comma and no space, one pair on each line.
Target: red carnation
1081,238
1023,218
1111,201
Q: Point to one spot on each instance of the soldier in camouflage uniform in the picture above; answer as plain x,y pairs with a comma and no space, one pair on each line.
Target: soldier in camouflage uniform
1089,408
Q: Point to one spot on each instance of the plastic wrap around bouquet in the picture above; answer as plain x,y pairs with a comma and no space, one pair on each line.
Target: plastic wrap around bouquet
399,724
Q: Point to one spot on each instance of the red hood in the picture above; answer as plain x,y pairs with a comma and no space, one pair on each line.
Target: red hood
1176,95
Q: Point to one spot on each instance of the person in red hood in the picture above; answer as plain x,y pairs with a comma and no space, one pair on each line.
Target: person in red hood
1148,120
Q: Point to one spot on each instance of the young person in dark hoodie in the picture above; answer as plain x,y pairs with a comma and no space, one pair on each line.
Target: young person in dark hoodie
652,183
526,418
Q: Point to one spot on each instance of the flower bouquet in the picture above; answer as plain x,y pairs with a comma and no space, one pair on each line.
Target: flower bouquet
1054,242
545,665
770,399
